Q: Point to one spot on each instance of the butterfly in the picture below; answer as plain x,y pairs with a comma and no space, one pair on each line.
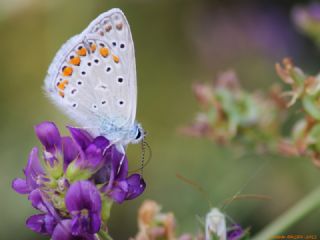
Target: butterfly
93,80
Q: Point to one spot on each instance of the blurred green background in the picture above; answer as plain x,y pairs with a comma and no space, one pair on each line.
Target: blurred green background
177,42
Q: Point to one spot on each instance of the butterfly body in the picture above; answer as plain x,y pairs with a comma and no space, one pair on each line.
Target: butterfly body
93,79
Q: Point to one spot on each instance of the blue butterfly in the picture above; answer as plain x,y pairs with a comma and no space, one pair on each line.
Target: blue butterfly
93,80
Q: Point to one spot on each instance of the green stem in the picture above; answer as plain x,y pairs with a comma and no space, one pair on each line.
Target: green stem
291,216
104,235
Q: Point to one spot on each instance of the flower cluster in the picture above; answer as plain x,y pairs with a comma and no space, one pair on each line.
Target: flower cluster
307,19
229,112
154,224
305,91
77,183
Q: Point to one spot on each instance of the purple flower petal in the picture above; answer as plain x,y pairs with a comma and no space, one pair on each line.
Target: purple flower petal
41,202
119,163
41,223
70,150
63,232
235,233
101,142
83,195
33,169
83,202
37,201
49,136
82,137
94,156
119,191
136,186
20,186
95,222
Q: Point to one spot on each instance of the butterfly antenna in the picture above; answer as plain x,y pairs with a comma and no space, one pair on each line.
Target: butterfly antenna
144,146
238,194
143,154
246,196
197,187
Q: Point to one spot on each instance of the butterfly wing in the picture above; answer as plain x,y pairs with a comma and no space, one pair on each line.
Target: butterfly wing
93,76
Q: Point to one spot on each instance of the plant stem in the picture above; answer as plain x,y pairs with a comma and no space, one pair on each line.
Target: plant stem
291,216
104,235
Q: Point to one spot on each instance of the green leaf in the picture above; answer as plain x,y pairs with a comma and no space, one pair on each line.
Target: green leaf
311,106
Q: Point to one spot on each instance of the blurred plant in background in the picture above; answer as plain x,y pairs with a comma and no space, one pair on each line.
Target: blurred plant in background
230,113
153,224
307,19
305,91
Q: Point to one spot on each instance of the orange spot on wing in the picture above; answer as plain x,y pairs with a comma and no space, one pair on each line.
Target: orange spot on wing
62,85
116,59
75,61
119,26
61,94
93,47
67,71
104,52
108,28
82,51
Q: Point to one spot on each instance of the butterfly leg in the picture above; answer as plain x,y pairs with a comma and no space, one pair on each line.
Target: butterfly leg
122,150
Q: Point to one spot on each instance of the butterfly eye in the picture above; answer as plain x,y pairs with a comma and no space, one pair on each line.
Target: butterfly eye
139,134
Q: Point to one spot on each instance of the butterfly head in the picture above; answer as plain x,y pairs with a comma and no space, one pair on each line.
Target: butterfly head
139,134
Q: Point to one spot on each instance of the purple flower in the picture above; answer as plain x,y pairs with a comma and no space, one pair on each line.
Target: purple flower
235,232
33,173
49,136
41,223
55,145
63,232
120,187
91,151
84,205
136,186
64,190
45,222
